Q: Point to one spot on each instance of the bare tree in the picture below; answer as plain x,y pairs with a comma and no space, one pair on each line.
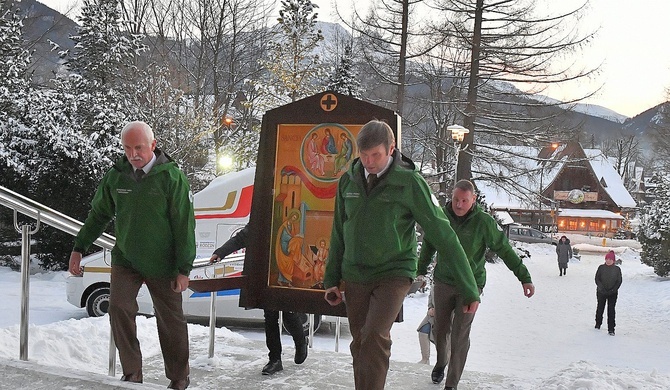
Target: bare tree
624,151
512,50
212,48
390,34
439,102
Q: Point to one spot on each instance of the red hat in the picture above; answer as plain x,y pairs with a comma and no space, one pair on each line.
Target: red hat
610,256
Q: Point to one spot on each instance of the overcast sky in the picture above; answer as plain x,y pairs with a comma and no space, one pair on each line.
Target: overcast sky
632,45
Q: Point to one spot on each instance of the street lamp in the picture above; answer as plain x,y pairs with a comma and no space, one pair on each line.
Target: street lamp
458,133
227,121
221,160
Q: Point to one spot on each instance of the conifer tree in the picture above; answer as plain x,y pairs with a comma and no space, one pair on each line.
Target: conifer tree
101,72
104,53
14,59
654,231
292,62
345,80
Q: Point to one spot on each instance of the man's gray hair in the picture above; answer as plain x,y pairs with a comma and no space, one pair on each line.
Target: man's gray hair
146,129
375,133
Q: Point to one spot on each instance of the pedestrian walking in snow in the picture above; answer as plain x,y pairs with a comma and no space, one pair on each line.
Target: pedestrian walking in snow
564,252
608,281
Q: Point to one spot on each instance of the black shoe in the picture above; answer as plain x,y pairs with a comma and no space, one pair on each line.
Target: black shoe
437,375
179,384
136,377
597,326
272,367
611,333
301,351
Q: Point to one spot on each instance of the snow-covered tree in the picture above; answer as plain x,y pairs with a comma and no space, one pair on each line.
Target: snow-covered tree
57,143
654,230
101,71
294,66
104,53
345,80
14,58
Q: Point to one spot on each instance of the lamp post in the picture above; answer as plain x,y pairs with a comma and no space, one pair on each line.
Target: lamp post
458,133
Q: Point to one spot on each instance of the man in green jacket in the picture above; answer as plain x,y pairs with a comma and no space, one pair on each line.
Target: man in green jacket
150,200
373,249
476,231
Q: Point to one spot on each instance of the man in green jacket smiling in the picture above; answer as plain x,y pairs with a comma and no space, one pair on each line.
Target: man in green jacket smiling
476,231
150,200
373,249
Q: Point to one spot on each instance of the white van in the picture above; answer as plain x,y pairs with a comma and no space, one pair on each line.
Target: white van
221,209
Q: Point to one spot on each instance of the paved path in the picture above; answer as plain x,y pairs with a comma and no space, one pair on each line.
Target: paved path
322,371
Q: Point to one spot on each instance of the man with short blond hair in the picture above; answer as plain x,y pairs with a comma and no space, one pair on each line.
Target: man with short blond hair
373,252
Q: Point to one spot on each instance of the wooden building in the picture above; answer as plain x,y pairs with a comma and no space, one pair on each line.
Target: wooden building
576,190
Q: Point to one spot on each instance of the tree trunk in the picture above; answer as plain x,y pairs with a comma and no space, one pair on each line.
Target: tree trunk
465,159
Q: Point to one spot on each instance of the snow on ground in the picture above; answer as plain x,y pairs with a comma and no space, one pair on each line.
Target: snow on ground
545,342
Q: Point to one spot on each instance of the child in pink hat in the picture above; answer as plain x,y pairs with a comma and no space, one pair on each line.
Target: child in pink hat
608,281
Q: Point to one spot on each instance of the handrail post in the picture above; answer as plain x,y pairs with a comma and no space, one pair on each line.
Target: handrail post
311,329
111,362
212,322
337,334
25,281
112,354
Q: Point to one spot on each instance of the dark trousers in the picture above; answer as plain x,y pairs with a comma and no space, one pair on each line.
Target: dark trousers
610,300
371,309
170,321
273,335
451,326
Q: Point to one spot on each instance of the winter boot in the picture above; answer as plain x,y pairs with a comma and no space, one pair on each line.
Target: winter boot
424,343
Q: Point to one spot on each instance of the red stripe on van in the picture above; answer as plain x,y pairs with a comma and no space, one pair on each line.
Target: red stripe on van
243,206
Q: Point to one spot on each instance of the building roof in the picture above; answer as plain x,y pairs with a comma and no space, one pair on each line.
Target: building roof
534,169
609,179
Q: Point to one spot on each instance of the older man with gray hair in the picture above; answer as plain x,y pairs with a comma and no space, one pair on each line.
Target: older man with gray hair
150,200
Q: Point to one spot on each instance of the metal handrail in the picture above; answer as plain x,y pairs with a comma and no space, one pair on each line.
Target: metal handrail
60,221
51,217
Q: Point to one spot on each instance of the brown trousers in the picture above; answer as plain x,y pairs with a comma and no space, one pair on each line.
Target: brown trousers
371,309
172,328
451,322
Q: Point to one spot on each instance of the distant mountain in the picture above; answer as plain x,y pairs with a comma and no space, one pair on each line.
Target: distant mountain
43,24
596,110
585,108
40,26
643,122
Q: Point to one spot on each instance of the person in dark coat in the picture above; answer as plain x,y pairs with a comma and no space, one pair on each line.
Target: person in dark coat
564,252
608,281
292,320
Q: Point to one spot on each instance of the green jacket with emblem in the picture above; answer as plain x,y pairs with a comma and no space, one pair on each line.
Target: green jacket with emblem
476,231
374,237
154,219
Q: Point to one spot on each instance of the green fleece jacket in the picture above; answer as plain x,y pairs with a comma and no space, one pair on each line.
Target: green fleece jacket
476,231
373,235
154,220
